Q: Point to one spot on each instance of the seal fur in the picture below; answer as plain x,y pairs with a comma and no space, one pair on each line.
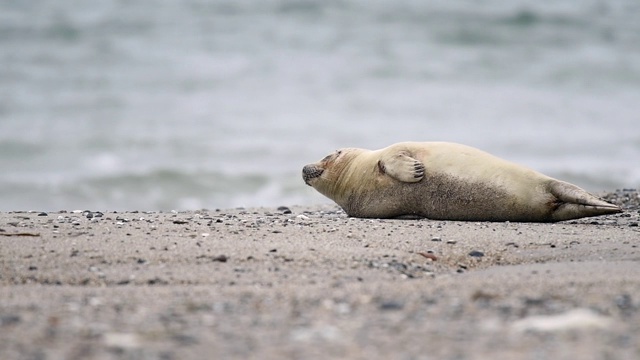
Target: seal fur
446,181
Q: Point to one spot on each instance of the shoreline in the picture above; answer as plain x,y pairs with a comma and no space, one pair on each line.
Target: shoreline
309,282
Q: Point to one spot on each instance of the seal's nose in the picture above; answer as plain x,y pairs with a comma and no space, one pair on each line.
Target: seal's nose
310,172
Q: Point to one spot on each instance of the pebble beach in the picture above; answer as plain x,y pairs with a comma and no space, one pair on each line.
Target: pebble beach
311,283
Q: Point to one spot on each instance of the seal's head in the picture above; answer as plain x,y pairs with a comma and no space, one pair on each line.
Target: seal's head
312,173
327,174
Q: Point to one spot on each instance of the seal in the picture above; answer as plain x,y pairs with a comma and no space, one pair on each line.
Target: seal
446,181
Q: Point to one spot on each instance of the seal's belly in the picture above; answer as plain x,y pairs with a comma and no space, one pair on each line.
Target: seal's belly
442,196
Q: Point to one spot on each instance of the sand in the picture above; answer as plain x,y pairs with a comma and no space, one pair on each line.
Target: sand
312,283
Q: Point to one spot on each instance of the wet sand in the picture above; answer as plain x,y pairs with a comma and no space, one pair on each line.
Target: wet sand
312,283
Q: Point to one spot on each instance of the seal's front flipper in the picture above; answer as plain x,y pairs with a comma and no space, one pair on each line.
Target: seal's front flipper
402,167
573,202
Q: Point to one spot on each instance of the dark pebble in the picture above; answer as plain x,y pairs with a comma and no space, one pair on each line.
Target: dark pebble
183,339
220,258
43,214
284,209
476,253
6,320
180,222
157,281
624,302
391,305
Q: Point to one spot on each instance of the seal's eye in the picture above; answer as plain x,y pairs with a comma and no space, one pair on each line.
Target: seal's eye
338,152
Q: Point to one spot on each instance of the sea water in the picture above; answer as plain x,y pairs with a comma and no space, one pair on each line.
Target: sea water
158,105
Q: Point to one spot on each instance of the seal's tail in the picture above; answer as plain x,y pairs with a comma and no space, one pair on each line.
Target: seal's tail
573,202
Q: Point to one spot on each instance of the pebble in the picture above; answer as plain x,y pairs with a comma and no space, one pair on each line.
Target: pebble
6,320
220,258
575,319
391,305
284,209
121,340
476,253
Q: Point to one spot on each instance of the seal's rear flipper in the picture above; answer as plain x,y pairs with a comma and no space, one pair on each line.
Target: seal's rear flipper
573,202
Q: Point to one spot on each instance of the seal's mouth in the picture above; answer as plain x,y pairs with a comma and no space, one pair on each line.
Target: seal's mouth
310,172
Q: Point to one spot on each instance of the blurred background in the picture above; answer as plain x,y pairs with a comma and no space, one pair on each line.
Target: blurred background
160,105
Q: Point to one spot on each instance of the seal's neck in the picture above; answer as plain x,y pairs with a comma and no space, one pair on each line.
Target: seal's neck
353,173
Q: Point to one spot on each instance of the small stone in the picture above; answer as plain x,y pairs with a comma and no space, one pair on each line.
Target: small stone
284,209
436,238
624,302
575,319
391,305
121,340
220,258
43,214
184,340
476,253
6,320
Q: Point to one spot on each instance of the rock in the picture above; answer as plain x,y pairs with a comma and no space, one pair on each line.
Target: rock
476,253
284,209
220,258
575,319
121,340
10,319
391,305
